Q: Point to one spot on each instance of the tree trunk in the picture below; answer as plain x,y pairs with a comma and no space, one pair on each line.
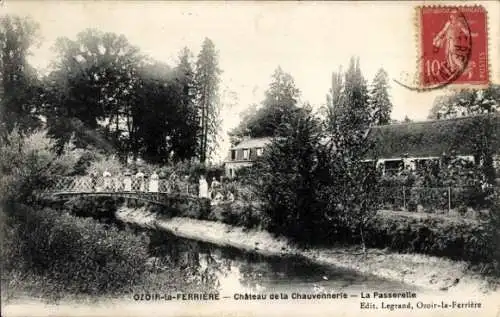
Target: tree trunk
363,245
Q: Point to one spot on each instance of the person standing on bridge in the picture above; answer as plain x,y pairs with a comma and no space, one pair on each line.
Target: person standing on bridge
107,180
153,183
215,187
140,180
127,182
203,187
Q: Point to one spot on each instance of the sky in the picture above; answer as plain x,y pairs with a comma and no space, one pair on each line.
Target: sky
309,40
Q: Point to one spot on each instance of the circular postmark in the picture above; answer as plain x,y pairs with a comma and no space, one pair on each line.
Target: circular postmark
445,49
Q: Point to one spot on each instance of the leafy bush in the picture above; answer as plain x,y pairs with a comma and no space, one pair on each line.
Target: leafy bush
185,168
435,235
493,230
288,180
240,213
29,164
78,255
101,163
180,206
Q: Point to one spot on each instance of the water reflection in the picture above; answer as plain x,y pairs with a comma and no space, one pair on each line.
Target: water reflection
228,270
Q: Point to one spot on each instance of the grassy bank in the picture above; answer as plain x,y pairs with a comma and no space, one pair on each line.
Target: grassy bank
53,255
424,271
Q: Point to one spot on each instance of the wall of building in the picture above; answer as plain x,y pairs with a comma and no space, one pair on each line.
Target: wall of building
239,154
231,167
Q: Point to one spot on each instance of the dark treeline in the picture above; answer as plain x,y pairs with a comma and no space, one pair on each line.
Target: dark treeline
318,180
102,92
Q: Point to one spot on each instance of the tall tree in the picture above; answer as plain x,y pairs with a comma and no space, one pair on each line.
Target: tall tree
288,179
353,118
351,194
94,77
207,98
333,98
185,140
19,84
156,106
279,105
379,99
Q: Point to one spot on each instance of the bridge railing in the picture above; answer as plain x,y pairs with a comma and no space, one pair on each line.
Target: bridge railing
115,184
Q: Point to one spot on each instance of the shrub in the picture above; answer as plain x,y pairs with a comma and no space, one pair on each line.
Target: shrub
454,238
190,168
103,163
288,179
179,206
29,164
240,213
493,230
78,255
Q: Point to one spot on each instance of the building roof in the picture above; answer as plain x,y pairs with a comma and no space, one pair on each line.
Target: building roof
419,139
252,143
432,138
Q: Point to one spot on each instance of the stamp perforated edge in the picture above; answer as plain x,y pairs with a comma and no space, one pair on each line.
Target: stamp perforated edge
418,38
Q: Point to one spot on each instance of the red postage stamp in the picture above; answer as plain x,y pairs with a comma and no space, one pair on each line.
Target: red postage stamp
453,46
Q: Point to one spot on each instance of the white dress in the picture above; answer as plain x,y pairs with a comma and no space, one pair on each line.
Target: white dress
107,180
153,183
203,188
127,184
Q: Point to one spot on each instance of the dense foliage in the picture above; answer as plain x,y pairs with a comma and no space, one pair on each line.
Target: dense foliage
466,102
68,249
75,255
287,181
207,98
20,87
311,179
455,184
379,99
103,92
279,105
434,235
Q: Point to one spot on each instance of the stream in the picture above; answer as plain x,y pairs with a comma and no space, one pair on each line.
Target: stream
231,270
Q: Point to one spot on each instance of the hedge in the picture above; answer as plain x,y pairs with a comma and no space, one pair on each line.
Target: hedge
455,238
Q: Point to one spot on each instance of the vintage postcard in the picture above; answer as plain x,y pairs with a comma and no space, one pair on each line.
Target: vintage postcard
220,158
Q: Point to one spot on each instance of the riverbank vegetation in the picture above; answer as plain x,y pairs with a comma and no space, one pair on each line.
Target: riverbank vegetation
318,184
75,248
104,106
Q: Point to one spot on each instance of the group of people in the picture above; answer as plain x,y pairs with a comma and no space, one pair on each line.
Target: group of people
213,192
127,182
141,183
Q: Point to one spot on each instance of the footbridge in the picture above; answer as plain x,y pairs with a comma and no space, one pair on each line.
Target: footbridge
149,190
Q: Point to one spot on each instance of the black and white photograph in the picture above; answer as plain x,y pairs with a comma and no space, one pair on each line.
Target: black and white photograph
260,158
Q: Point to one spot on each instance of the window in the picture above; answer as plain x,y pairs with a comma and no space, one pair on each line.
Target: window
231,172
233,155
245,154
259,151
392,167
